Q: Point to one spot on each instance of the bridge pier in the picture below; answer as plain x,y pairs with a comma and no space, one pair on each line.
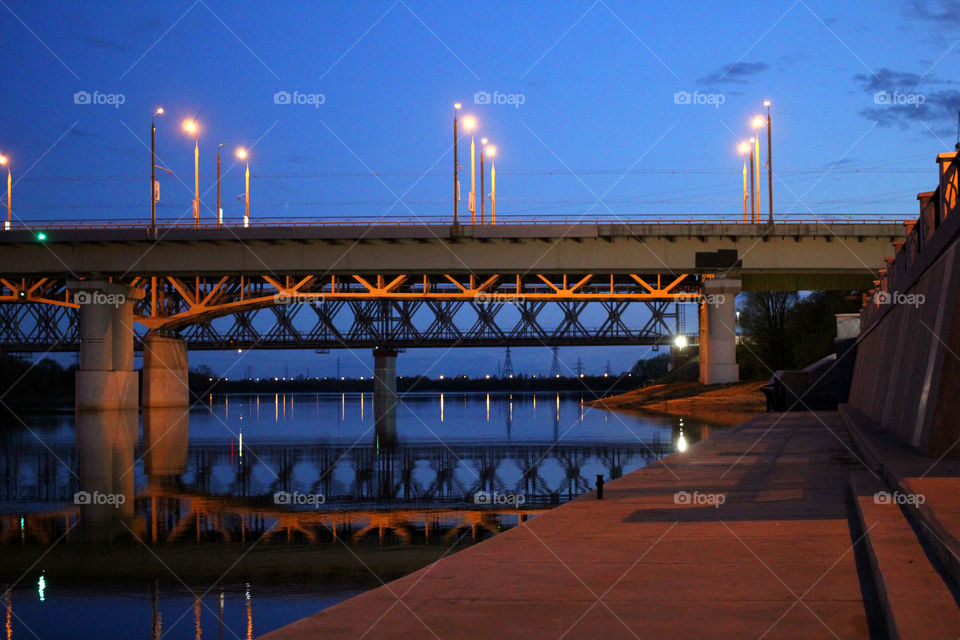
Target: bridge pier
718,332
165,373
106,379
385,396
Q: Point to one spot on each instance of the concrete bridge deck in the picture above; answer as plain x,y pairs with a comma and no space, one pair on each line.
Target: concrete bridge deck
786,255
775,560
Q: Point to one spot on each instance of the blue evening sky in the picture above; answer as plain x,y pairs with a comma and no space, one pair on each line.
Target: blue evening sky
864,95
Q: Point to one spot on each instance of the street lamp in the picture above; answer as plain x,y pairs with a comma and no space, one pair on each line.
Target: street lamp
219,209
456,166
483,143
757,123
766,103
243,155
753,191
743,150
4,161
154,186
190,127
470,123
492,151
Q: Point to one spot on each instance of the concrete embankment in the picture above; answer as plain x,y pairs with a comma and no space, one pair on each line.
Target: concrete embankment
750,533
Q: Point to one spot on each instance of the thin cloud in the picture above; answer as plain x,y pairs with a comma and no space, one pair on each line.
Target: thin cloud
106,44
938,113
940,12
891,80
736,73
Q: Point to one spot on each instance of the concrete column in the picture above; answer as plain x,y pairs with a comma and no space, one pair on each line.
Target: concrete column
105,378
96,336
718,323
165,382
122,341
385,396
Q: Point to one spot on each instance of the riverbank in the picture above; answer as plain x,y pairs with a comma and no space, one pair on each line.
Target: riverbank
722,541
728,404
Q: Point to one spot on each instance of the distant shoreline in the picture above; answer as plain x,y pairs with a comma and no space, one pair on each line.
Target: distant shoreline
724,404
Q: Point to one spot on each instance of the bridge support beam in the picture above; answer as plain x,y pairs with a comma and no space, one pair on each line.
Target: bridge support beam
106,379
385,396
165,379
718,332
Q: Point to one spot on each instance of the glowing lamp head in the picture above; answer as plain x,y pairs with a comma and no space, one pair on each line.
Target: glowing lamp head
158,112
757,122
242,153
3,160
680,342
766,103
456,105
752,140
190,126
469,123
743,147
491,151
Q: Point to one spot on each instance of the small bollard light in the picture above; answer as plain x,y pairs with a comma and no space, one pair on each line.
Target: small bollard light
599,486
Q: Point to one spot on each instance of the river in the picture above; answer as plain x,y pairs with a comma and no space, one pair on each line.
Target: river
251,511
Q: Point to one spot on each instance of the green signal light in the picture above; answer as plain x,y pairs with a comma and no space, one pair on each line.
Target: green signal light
41,236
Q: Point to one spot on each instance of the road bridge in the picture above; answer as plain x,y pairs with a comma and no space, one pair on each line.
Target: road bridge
172,278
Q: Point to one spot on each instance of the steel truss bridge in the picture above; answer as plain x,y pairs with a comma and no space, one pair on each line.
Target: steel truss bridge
415,285
329,313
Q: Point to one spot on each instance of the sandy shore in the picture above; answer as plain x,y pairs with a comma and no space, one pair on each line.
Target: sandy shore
722,404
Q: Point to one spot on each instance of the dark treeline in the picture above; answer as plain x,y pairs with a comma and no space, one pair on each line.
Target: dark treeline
781,330
201,384
31,382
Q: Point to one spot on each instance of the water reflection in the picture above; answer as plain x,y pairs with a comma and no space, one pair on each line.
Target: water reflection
327,472
105,446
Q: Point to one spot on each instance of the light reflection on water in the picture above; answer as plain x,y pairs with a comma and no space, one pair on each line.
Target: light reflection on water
212,478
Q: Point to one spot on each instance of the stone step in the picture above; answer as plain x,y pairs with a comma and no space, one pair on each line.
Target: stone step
910,473
916,600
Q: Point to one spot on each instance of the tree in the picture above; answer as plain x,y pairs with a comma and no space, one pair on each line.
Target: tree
766,328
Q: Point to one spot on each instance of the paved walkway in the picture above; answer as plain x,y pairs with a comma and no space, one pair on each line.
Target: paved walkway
774,560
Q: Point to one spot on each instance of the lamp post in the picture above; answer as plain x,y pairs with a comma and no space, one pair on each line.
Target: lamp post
483,143
492,151
191,127
243,155
5,161
219,210
743,150
456,167
154,188
757,123
470,123
753,191
766,103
